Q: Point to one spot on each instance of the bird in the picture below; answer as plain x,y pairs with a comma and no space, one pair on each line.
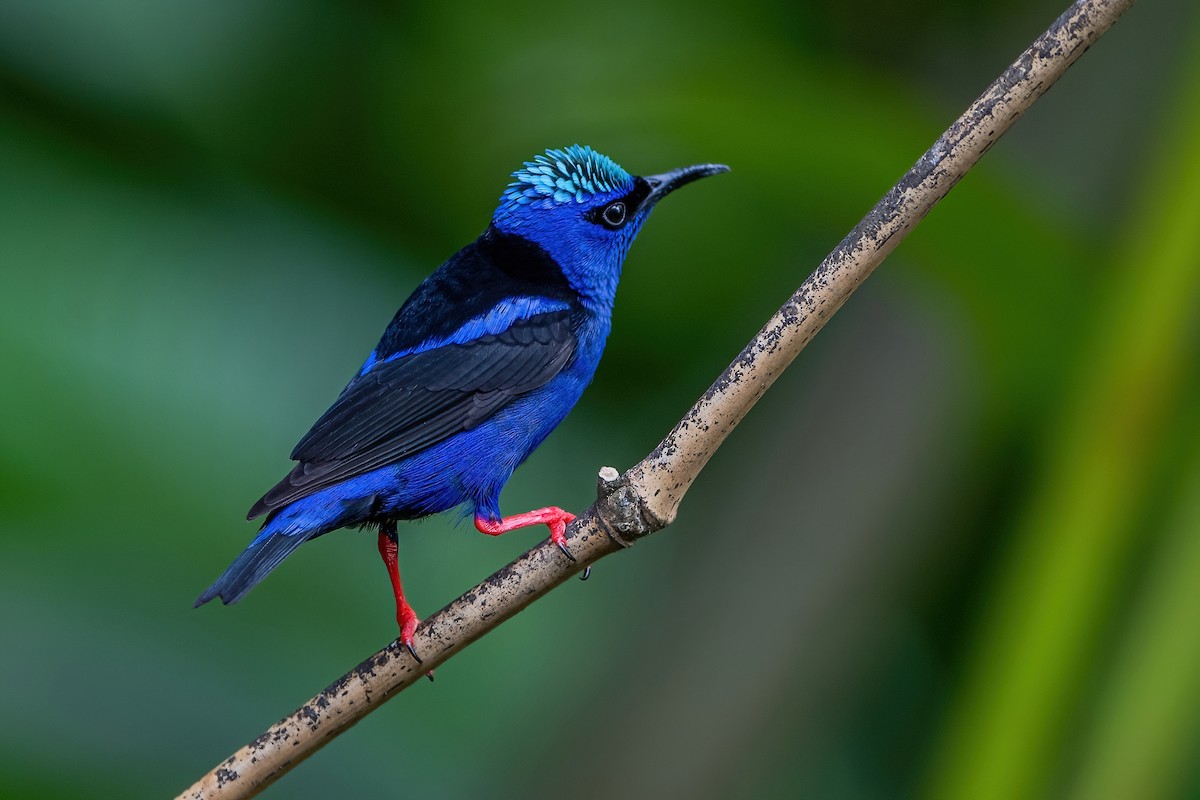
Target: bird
484,359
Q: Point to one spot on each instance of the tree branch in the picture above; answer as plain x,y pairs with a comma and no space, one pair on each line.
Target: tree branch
647,497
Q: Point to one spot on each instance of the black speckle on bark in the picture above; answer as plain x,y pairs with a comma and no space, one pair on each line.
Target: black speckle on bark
311,716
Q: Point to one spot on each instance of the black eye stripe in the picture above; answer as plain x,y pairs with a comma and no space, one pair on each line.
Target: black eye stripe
631,201
640,191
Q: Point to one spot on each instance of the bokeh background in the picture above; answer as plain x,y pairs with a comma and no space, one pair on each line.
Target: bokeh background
954,553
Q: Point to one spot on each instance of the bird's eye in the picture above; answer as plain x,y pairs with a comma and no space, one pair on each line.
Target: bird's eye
614,215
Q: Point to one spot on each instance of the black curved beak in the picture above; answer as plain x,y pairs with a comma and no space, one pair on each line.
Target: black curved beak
667,182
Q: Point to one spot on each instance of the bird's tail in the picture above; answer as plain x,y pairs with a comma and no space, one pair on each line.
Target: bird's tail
264,554
280,535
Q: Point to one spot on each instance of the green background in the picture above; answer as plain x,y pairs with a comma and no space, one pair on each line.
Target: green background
954,553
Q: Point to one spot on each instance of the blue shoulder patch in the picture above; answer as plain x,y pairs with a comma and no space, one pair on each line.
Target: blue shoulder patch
499,319
571,174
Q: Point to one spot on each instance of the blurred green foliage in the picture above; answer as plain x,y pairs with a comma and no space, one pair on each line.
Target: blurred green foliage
208,212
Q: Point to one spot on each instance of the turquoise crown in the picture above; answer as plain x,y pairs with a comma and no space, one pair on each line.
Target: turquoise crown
576,173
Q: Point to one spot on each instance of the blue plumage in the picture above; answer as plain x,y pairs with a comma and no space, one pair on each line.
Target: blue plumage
485,358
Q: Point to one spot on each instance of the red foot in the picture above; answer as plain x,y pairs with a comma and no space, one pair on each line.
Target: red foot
406,618
554,518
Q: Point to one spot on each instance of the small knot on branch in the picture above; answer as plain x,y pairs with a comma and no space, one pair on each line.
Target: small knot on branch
619,508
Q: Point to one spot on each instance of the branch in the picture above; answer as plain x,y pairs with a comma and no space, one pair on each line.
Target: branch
647,497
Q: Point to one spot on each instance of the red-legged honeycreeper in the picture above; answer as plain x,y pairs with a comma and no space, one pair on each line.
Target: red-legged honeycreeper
485,358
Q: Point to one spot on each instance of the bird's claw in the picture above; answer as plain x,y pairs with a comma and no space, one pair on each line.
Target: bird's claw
558,533
407,644
587,573
562,545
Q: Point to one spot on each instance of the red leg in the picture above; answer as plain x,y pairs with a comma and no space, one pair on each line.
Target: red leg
405,616
554,518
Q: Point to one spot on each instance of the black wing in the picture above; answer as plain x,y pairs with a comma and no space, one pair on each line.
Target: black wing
404,406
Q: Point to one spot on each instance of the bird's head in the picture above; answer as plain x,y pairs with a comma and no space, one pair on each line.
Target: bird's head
585,211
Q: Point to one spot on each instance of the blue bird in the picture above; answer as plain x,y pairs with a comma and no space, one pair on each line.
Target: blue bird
485,358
